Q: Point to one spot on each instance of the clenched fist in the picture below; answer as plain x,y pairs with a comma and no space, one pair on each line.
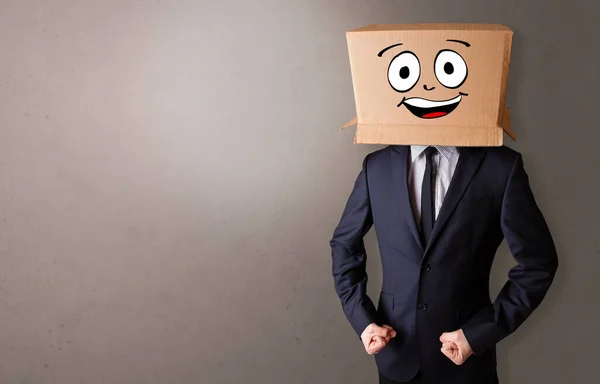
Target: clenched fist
455,346
375,338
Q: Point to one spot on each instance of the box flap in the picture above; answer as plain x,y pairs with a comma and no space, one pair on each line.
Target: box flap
459,136
432,27
350,123
506,124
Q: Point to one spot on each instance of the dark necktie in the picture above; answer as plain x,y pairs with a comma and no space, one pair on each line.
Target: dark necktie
427,204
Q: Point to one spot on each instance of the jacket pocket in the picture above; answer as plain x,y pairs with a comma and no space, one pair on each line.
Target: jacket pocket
387,300
458,319
385,307
465,311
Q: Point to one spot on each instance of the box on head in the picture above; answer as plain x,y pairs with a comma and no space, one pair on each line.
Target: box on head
430,84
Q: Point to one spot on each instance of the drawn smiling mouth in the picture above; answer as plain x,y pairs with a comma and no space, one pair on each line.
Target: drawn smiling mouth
430,109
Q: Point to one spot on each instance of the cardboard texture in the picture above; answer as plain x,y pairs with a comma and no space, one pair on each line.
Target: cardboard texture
430,84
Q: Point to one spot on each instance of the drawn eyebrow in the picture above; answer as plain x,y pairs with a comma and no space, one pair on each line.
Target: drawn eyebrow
386,48
459,41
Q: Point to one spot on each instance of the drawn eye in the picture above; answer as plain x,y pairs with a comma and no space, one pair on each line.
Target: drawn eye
450,69
404,71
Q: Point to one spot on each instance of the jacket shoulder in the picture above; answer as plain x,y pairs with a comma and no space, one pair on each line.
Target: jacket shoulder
502,155
379,155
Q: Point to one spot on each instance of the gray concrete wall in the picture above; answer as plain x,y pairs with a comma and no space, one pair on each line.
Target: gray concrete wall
171,173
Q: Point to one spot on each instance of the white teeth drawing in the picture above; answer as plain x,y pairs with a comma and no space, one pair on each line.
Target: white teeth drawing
430,109
424,103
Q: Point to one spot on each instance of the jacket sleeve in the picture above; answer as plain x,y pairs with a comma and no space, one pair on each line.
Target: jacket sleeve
349,257
531,244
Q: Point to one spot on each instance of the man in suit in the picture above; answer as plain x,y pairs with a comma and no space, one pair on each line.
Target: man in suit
440,214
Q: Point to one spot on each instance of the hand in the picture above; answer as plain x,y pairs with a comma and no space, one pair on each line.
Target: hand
375,338
455,346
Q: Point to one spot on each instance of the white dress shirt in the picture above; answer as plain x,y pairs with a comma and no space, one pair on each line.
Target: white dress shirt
444,164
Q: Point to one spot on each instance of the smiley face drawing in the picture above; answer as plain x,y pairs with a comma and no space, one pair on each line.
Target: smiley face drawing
449,68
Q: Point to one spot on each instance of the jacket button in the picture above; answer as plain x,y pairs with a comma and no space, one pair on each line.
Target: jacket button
427,267
422,307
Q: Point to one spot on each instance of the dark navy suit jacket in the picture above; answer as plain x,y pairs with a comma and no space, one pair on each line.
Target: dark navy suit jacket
443,286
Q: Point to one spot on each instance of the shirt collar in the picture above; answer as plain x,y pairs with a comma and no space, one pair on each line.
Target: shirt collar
417,150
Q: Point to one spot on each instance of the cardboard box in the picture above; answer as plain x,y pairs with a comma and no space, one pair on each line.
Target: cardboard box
430,84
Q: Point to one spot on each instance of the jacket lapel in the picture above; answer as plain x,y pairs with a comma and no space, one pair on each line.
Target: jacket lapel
468,164
399,168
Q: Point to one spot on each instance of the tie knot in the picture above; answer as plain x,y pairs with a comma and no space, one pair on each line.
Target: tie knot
430,151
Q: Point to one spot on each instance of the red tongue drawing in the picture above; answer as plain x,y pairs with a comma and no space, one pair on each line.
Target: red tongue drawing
431,115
